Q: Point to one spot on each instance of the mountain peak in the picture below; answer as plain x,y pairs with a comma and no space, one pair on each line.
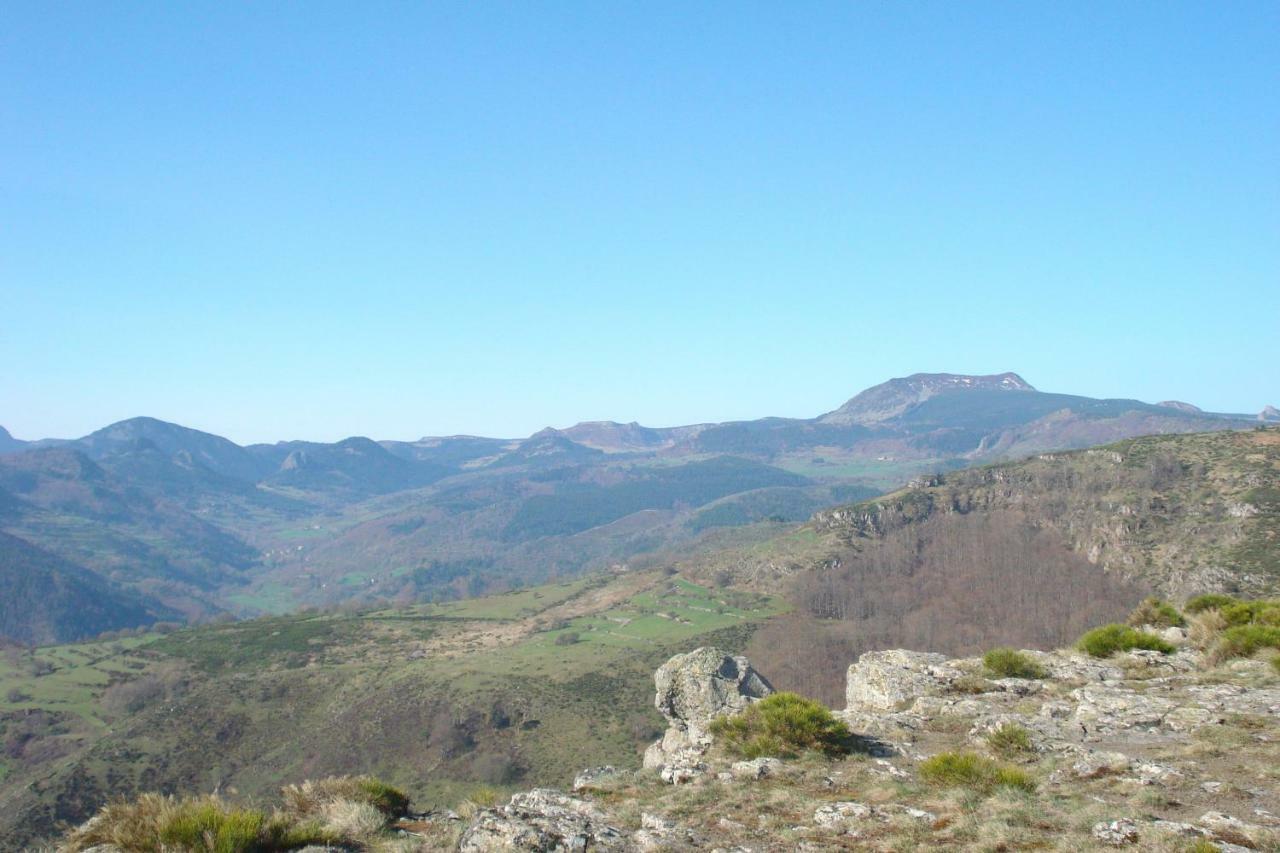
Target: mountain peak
890,399
1180,406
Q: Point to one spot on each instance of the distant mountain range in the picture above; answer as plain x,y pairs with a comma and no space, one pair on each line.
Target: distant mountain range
193,523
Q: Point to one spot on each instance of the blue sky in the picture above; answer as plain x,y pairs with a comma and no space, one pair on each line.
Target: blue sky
316,220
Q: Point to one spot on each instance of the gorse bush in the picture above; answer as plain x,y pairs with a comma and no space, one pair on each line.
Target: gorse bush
1244,641
784,725
973,772
1010,739
1106,640
1011,663
1208,601
1157,612
1263,612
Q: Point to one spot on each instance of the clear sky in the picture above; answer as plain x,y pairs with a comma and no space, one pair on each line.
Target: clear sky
309,220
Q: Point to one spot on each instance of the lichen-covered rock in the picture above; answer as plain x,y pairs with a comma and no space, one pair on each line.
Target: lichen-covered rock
839,815
1117,833
1091,764
592,777
892,680
542,820
660,833
692,690
697,687
756,768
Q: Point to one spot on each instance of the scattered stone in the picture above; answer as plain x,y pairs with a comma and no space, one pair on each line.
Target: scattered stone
1094,764
887,767
541,820
592,777
1184,830
1230,829
835,815
659,833
756,768
1117,833
1150,773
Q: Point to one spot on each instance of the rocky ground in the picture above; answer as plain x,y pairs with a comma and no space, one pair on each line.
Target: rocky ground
1142,750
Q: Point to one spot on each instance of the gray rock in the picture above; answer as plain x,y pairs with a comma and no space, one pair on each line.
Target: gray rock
1117,833
756,768
593,776
1225,827
692,690
892,680
838,815
697,687
542,820
1093,764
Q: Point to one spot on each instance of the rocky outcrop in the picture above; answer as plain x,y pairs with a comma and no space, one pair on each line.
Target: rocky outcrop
692,690
542,820
893,680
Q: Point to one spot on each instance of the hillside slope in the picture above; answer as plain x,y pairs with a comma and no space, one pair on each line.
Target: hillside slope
49,600
1069,539
206,525
523,688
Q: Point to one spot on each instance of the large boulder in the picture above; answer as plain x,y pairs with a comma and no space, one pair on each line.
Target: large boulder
697,687
542,820
892,680
692,690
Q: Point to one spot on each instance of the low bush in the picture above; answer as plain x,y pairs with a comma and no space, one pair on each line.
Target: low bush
784,725
1106,640
1010,739
1261,612
197,824
1244,641
311,797
1208,601
1157,612
1206,626
973,772
1011,663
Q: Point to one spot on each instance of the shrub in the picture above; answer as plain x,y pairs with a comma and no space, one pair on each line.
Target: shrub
1011,663
568,638
198,824
1252,612
973,771
1208,601
784,725
1205,628
311,797
1158,612
352,820
1243,641
1107,640
1010,739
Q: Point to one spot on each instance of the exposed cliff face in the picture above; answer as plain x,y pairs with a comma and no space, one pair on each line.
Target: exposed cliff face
1183,514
